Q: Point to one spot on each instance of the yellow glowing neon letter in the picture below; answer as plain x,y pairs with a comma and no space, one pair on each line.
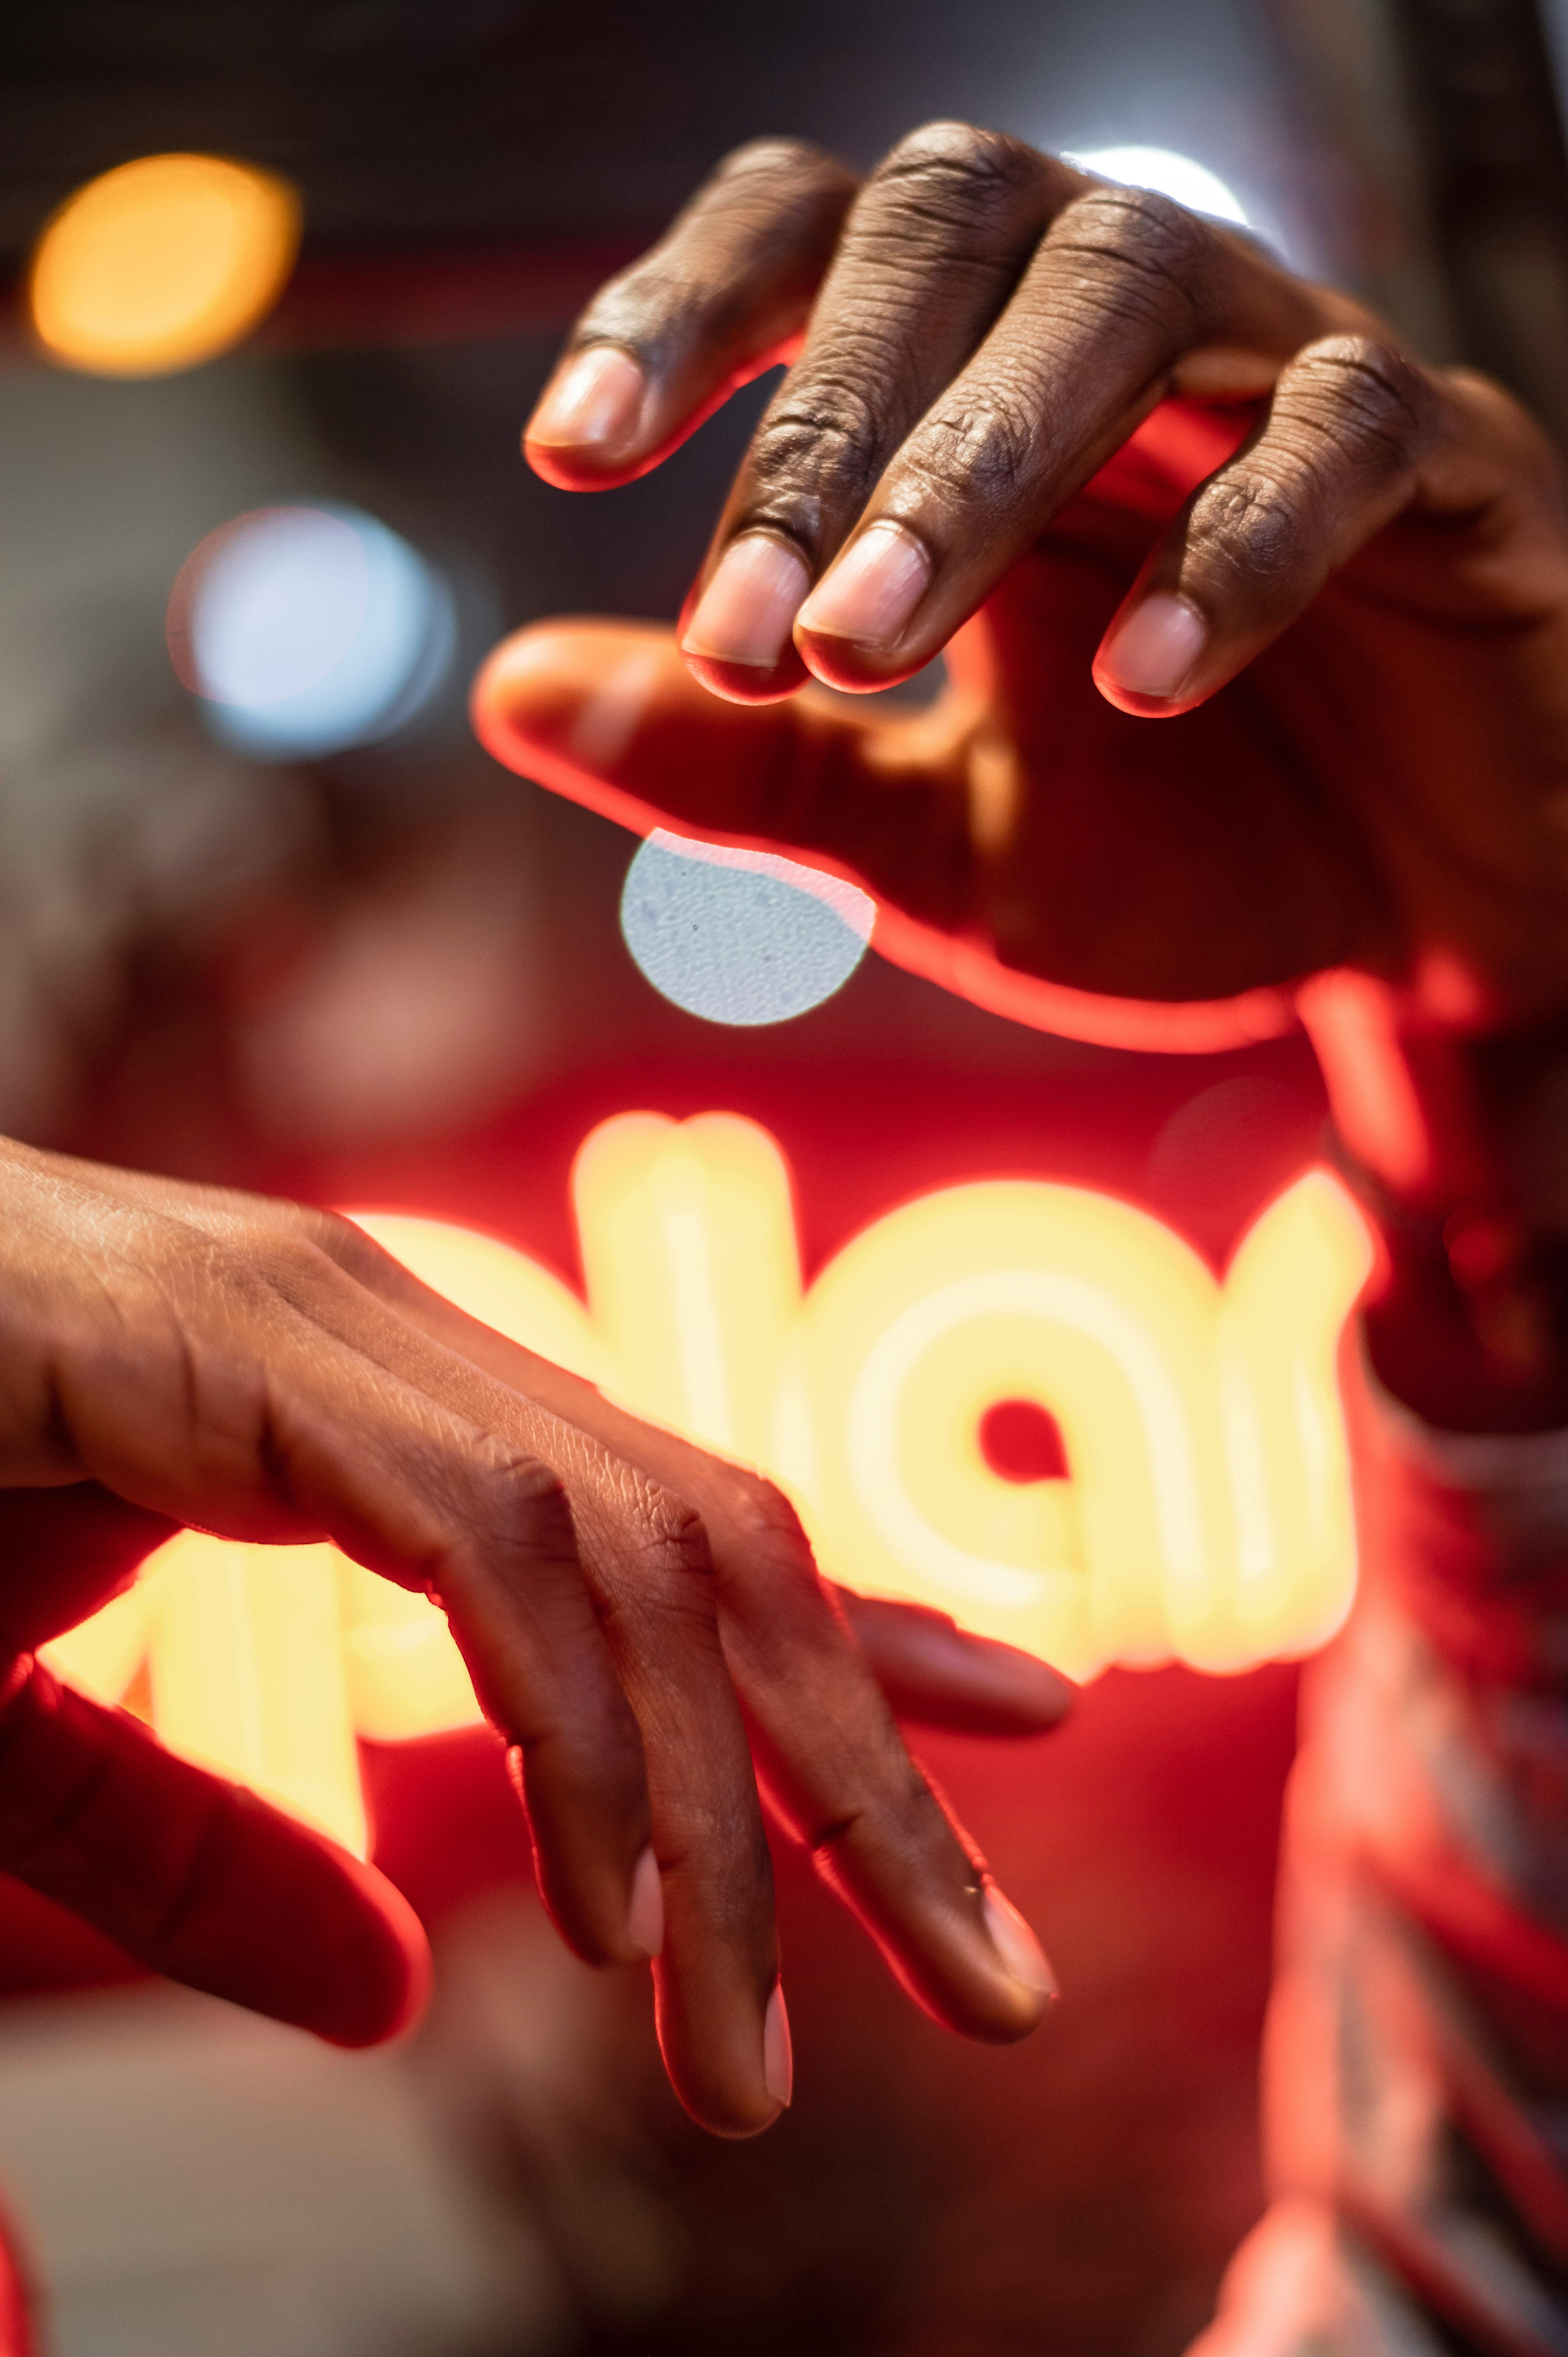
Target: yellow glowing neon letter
1206,1513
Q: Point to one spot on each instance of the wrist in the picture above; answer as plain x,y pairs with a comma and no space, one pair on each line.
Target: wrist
1457,1146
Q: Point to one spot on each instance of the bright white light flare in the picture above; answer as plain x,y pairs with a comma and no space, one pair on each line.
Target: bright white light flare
1181,177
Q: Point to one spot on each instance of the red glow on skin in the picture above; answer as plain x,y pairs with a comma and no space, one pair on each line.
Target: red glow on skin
17,2338
1402,1099
1192,1027
1349,1019
1175,449
582,466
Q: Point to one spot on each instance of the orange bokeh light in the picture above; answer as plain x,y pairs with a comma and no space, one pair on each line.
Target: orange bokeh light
161,264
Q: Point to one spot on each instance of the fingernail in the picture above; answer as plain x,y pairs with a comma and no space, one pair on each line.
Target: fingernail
1020,1952
746,611
645,1916
596,398
778,2055
1155,651
870,593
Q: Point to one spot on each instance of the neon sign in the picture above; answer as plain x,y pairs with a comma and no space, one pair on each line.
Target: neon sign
1204,1514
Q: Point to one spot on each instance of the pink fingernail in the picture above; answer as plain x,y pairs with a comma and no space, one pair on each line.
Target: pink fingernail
1022,1954
595,400
748,608
870,593
645,1915
778,2055
1157,646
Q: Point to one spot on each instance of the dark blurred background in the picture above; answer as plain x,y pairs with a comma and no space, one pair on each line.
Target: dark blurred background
394,973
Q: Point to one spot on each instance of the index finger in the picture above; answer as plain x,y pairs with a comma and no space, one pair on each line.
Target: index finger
1121,288
712,304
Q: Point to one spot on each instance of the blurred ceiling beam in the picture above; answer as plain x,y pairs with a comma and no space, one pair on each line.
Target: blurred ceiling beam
357,301
1440,122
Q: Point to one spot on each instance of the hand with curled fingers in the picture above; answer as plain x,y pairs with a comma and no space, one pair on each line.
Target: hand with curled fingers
638,1620
1120,466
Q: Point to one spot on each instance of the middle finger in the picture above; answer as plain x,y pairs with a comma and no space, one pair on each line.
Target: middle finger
932,251
1122,288
996,325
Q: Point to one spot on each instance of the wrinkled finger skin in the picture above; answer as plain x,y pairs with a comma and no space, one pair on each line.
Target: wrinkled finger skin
1119,466
639,1622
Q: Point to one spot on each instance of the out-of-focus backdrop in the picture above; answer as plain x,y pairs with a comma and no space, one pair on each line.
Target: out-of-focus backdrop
268,917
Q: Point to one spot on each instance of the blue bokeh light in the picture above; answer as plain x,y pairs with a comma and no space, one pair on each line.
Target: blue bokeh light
741,937
309,630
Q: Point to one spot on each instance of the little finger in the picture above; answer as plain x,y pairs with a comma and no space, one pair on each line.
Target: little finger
1338,455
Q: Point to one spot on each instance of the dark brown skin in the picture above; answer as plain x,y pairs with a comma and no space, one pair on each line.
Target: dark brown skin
638,1620
1122,467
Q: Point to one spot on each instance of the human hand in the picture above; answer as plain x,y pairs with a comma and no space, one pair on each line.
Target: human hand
1121,466
629,1609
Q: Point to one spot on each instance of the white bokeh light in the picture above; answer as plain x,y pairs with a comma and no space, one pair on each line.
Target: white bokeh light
308,629
741,937
1181,177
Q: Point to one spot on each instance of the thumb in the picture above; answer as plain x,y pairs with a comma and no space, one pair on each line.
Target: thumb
66,1552
607,715
902,805
196,1878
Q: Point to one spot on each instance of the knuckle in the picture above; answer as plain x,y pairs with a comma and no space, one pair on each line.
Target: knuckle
906,1800
670,1562
519,1497
783,161
767,1555
332,1237
646,309
288,1262
759,1510
699,277
1253,513
637,1514
963,169
671,1536
823,437
1138,237
976,451
1353,387
829,424
1136,220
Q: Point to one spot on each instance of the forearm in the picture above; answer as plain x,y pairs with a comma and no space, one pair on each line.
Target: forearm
1416,2044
